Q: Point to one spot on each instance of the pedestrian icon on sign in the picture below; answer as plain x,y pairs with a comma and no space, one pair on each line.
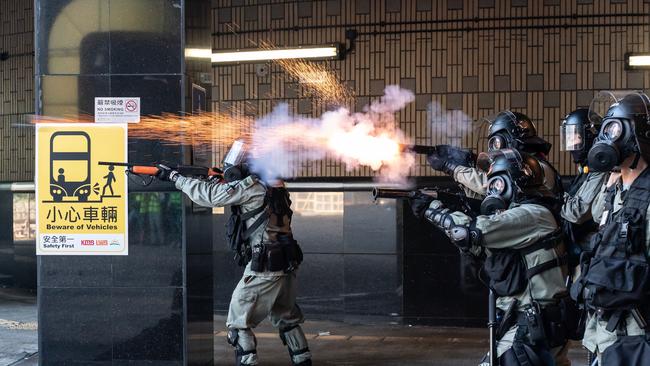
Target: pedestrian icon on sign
110,178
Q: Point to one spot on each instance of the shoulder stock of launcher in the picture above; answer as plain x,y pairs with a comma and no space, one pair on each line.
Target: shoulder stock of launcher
193,171
455,201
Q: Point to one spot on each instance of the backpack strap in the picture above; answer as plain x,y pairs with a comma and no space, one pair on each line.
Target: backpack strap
548,242
260,220
556,262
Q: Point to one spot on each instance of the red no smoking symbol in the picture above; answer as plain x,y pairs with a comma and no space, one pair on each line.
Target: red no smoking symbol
131,105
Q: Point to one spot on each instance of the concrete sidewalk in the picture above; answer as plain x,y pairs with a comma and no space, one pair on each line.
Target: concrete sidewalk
334,343
18,326
331,343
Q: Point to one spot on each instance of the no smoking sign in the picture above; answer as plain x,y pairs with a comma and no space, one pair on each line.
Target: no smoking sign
117,110
131,105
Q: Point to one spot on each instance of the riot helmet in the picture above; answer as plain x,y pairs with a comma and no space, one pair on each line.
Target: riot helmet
235,165
577,134
625,131
514,130
512,177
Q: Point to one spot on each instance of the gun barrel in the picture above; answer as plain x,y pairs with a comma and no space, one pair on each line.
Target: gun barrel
420,149
114,163
390,193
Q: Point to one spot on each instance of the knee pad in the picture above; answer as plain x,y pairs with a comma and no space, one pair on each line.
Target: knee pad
295,340
245,346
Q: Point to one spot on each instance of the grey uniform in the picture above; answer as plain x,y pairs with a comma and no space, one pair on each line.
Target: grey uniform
258,294
519,227
577,208
597,338
598,207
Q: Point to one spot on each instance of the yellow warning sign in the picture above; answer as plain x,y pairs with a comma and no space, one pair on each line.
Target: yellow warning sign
81,204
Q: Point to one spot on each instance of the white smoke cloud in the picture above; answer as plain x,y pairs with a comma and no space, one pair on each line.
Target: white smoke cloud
282,142
450,126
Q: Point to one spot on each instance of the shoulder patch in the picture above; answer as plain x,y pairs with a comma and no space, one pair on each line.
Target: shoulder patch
247,182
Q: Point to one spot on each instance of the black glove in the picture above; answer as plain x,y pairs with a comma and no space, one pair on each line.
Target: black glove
419,204
441,163
166,173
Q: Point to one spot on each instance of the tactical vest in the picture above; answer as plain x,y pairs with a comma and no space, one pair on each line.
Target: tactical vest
279,251
508,271
616,278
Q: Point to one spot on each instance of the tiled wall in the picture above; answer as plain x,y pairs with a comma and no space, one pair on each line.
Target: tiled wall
472,57
16,90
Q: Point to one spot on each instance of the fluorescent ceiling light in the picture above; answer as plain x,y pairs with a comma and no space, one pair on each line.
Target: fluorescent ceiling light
637,60
198,53
326,52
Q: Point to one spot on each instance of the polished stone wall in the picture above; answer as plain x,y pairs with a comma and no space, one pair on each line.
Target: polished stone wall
153,306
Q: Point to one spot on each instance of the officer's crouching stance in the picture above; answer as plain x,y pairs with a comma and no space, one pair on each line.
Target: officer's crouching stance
526,259
614,283
260,233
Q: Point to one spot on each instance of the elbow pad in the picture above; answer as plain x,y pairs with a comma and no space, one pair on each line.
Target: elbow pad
439,217
465,237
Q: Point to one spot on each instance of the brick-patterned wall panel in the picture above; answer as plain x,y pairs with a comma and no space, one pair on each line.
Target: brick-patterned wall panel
16,90
464,59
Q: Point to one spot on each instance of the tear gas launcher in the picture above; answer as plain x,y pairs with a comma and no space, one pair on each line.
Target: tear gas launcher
460,156
185,170
455,201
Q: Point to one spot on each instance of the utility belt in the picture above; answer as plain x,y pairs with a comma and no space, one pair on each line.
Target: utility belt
282,255
539,326
616,318
627,349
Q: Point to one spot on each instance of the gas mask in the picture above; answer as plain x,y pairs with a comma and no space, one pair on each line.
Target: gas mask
234,164
625,131
615,143
512,130
498,141
500,193
511,175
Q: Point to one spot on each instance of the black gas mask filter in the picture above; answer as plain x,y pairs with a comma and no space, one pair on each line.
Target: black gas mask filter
615,143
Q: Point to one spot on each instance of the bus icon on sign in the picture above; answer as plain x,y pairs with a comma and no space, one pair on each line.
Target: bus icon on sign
70,165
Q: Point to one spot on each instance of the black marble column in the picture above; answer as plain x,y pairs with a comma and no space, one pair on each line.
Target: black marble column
149,307
6,237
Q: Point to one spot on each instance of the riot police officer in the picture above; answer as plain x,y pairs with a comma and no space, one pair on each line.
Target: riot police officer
259,232
577,134
525,260
506,130
614,282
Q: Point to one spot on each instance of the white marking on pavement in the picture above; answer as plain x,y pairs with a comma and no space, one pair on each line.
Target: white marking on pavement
14,325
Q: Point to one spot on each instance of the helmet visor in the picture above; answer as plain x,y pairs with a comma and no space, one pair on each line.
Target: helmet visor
236,155
572,137
485,161
603,101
